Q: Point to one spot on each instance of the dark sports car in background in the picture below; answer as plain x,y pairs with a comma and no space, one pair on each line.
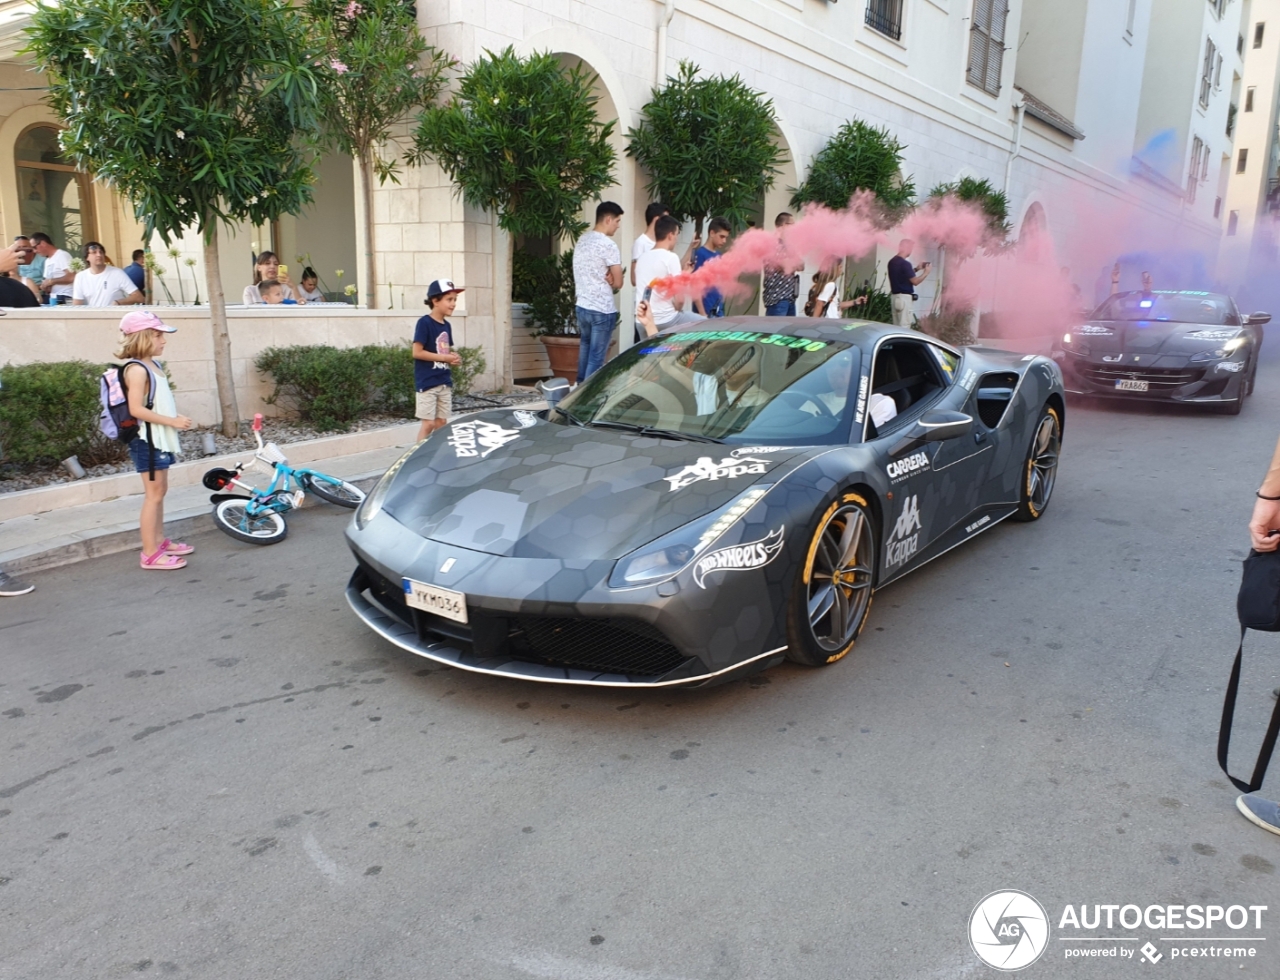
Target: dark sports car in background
708,503
1164,345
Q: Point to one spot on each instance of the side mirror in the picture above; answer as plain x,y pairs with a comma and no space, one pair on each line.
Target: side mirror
939,426
1258,318
935,426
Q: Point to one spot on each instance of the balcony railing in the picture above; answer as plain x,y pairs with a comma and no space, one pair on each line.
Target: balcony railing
885,16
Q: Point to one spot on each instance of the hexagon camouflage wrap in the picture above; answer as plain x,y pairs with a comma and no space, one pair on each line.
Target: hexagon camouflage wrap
574,546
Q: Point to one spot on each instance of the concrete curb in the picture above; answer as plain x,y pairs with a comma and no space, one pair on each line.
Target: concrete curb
115,538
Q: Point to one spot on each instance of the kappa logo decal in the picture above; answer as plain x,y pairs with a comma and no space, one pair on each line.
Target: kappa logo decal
707,469
905,539
739,558
479,438
900,469
525,419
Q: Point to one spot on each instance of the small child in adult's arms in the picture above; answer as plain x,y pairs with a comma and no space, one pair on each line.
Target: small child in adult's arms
272,293
433,354
144,339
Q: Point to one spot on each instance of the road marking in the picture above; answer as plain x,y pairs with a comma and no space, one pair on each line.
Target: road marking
321,860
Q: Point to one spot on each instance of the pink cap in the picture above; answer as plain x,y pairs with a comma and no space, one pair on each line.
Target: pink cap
139,320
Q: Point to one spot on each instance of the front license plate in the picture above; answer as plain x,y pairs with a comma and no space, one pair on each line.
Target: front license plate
433,599
1129,384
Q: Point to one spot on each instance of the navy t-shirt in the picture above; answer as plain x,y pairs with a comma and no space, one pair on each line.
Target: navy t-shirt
711,299
431,374
901,272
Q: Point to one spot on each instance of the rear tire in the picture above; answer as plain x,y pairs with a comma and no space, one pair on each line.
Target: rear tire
1040,471
833,589
263,528
338,492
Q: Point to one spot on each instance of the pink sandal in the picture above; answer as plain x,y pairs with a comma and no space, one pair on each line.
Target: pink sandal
163,562
176,548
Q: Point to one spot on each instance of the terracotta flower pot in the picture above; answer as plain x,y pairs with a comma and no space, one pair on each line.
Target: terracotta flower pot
562,352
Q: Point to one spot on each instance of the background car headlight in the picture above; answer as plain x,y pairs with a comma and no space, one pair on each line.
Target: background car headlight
669,555
1226,350
372,505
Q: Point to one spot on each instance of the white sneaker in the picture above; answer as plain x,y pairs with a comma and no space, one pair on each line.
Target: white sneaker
12,586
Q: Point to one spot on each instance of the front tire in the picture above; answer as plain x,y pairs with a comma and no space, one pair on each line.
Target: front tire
1040,471
833,588
338,492
265,527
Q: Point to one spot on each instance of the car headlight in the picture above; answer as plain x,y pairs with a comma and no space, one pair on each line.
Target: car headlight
1226,350
372,505
669,555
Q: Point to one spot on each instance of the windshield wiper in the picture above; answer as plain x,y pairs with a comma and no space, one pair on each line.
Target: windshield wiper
648,430
571,417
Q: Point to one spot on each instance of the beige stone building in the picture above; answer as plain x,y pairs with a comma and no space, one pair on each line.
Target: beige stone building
1065,105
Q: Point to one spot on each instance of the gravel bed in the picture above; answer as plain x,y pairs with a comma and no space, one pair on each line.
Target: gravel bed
277,430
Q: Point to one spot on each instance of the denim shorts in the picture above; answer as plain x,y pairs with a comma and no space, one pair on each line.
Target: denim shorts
140,453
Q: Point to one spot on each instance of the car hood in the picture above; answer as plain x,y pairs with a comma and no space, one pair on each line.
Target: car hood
1152,336
510,483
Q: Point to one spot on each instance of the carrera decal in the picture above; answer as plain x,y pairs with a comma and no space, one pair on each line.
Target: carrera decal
739,558
900,469
479,438
860,411
525,419
726,469
980,522
905,539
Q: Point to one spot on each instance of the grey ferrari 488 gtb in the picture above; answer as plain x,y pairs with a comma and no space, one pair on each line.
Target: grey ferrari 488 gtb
708,503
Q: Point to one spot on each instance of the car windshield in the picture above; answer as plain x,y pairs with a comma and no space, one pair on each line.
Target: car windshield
1213,308
724,385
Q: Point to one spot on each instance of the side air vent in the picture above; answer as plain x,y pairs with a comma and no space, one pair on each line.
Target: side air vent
995,392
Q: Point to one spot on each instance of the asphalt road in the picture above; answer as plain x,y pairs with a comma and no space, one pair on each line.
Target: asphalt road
220,773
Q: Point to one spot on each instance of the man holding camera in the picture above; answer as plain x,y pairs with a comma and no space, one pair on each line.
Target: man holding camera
903,279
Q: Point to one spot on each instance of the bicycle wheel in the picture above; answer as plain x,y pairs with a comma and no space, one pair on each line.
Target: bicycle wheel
332,489
264,527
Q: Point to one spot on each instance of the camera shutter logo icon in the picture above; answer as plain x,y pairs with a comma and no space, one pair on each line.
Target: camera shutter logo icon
1009,930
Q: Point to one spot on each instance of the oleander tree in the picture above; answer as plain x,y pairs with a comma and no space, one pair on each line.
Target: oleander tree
520,138
200,112
858,157
992,203
383,71
709,144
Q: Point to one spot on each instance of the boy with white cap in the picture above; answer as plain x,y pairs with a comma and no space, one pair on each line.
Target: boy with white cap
432,355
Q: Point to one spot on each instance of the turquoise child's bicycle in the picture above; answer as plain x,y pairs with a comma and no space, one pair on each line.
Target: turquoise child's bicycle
257,516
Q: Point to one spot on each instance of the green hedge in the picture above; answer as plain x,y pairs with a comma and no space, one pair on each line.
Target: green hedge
50,411
331,387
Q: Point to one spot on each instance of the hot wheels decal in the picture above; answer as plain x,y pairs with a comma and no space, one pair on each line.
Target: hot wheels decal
739,557
479,438
706,469
904,541
525,419
760,450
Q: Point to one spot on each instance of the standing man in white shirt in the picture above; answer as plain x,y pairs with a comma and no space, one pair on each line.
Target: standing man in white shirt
645,241
597,274
102,284
661,262
58,276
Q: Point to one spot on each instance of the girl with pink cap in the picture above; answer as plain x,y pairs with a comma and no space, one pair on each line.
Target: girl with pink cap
154,450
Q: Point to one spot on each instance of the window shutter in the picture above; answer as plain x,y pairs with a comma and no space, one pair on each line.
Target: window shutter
986,44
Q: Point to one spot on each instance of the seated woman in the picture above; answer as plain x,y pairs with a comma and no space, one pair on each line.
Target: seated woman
268,269
309,291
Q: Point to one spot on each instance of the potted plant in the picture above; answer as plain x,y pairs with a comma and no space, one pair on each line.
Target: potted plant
549,310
